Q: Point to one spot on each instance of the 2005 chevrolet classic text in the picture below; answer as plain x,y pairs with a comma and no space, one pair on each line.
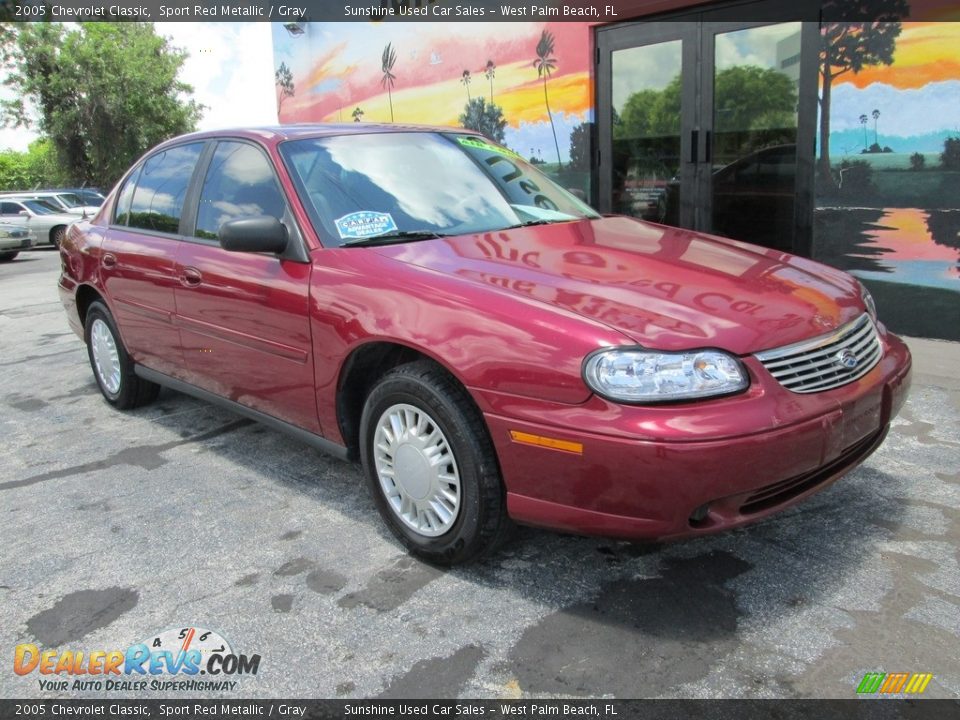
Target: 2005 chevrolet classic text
491,349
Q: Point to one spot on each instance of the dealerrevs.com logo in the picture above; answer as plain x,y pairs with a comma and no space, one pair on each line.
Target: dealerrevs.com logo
189,652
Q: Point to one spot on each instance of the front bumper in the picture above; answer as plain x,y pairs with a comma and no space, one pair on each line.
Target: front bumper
19,243
695,468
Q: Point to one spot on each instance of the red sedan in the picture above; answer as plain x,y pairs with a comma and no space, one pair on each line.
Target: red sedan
490,348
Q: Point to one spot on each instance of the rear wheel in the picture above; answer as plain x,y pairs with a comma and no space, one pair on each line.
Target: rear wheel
57,234
112,366
8,256
431,467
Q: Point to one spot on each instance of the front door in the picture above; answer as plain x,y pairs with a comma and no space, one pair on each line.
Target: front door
243,316
698,126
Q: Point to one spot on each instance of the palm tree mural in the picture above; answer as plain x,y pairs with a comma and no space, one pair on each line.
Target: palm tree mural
490,71
386,65
283,78
546,64
357,114
863,121
876,135
465,79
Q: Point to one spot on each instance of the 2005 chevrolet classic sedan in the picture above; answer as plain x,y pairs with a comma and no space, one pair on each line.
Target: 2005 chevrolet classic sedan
490,348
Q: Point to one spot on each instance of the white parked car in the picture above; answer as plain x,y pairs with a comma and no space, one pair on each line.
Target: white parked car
13,239
67,202
47,224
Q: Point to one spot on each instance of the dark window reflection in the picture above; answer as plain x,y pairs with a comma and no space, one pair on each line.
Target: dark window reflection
240,183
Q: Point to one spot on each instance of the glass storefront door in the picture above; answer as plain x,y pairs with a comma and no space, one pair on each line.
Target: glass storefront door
697,125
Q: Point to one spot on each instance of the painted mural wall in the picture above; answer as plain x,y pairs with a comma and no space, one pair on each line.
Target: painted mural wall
526,85
888,180
888,176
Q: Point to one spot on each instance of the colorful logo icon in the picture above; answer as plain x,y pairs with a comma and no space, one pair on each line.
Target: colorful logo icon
894,683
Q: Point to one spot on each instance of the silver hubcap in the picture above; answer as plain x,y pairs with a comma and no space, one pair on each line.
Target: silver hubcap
106,359
417,471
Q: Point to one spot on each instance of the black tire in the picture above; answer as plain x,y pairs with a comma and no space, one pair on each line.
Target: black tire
8,256
133,391
481,523
57,235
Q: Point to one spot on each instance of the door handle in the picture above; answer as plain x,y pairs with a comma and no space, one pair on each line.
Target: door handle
190,277
109,260
694,145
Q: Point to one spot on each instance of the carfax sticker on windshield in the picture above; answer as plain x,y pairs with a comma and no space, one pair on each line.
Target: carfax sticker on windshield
365,223
480,144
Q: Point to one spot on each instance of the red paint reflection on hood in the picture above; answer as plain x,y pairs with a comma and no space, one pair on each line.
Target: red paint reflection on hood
663,287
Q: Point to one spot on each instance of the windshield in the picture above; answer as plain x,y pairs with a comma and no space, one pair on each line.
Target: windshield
407,186
90,197
69,200
41,207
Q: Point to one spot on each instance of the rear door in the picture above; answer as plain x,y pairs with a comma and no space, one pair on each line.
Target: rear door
14,213
137,262
244,316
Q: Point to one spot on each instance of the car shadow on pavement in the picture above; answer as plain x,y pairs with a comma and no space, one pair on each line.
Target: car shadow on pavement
673,610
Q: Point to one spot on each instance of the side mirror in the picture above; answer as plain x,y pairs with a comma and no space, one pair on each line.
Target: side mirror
253,234
24,213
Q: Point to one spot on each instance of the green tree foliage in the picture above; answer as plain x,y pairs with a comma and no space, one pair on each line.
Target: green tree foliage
490,71
545,64
387,61
950,157
651,113
856,178
580,147
850,47
37,167
485,118
283,78
104,93
746,97
917,161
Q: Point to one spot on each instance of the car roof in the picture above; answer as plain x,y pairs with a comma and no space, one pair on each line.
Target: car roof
278,133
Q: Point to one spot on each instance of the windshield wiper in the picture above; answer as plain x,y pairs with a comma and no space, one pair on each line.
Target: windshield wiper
531,223
393,237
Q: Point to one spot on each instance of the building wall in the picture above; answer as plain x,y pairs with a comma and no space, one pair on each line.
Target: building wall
889,209
338,76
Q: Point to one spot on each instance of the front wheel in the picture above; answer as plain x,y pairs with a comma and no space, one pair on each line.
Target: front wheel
8,256
112,366
431,467
57,235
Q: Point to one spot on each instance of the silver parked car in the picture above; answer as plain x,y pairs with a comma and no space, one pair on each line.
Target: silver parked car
13,239
67,202
47,224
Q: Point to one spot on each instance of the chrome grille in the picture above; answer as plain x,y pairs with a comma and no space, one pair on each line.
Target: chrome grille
815,365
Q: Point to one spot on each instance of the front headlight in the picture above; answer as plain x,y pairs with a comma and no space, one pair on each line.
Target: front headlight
644,376
868,301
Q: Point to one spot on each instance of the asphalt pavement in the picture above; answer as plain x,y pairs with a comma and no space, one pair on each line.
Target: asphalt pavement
118,526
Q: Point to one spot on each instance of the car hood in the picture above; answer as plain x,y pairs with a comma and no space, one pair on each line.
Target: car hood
662,287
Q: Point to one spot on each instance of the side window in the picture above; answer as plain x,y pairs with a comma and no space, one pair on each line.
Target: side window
240,183
121,212
158,198
9,208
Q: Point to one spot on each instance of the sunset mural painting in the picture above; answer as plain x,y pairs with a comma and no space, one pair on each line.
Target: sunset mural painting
888,201
498,78
887,188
